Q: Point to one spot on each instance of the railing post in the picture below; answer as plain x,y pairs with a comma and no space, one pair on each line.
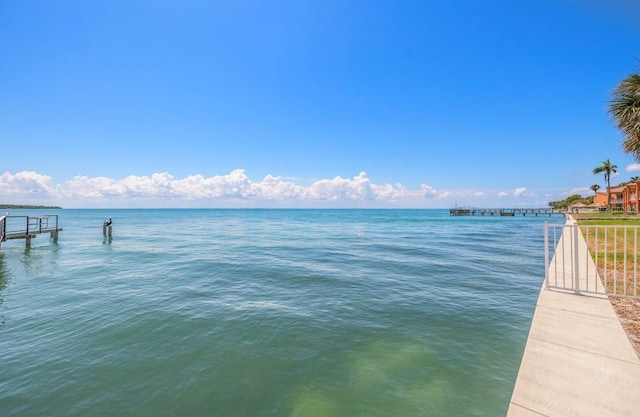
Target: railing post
3,228
624,272
605,250
54,234
576,269
546,255
615,258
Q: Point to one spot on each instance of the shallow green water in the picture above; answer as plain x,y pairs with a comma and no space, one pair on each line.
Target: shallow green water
268,313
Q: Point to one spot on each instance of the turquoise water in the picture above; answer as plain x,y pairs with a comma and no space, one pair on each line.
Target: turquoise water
268,313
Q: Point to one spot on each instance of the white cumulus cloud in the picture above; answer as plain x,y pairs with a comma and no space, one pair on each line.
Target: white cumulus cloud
519,191
359,188
26,184
234,189
428,191
234,186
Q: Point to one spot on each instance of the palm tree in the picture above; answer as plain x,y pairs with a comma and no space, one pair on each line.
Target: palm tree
595,188
634,179
624,108
607,167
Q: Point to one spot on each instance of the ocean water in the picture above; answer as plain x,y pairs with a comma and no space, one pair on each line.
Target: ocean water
294,313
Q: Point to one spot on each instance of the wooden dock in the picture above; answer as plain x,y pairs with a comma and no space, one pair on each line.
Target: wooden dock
28,227
502,212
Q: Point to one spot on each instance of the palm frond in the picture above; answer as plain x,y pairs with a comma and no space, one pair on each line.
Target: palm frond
624,109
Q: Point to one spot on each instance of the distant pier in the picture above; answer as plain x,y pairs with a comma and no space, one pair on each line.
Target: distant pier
28,227
502,212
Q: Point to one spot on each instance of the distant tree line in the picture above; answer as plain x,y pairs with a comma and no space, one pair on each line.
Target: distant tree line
25,206
572,199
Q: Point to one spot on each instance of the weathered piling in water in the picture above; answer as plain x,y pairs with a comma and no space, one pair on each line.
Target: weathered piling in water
107,228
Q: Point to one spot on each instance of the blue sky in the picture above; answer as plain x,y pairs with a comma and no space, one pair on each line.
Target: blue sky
428,104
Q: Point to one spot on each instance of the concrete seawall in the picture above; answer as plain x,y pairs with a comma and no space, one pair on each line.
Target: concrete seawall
578,360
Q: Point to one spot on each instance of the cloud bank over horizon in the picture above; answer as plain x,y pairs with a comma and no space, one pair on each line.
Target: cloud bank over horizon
231,190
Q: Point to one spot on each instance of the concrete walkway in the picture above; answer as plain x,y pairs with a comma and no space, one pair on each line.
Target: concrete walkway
578,360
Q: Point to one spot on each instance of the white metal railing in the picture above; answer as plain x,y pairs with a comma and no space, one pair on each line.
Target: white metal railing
592,259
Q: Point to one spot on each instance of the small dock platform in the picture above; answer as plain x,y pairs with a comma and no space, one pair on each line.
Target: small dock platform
502,212
28,227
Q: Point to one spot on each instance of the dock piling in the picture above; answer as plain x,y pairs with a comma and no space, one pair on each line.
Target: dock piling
106,228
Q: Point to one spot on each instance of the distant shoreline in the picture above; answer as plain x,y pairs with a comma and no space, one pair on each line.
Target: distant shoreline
26,206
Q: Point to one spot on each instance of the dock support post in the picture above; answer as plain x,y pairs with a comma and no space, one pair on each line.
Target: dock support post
28,241
54,235
109,231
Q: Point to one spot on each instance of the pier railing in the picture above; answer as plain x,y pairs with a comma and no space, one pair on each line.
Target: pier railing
510,212
593,259
27,227
16,225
